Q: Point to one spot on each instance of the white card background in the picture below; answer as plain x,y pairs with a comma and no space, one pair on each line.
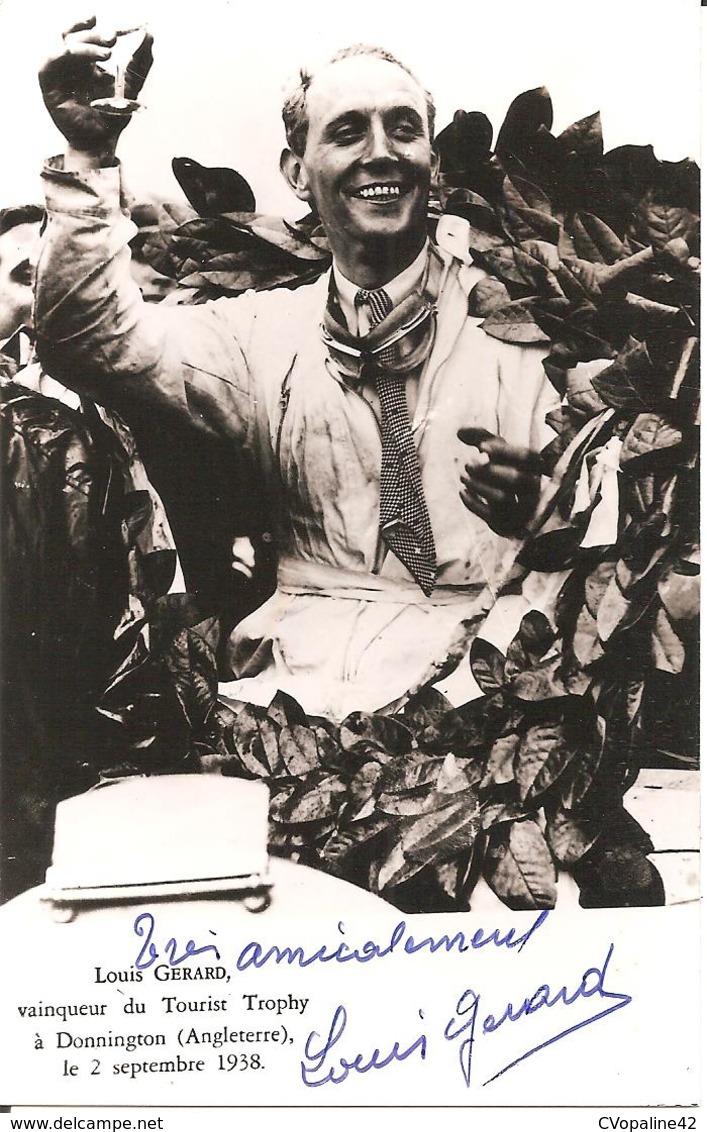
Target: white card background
215,94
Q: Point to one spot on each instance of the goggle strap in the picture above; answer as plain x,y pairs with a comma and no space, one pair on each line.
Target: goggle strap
396,336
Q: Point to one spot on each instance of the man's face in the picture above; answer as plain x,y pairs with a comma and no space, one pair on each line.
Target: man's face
368,160
18,251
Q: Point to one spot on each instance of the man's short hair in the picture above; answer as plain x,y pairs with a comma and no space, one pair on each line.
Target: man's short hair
294,110
20,214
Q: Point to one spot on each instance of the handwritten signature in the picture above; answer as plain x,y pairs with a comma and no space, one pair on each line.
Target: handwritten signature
324,1062
316,1054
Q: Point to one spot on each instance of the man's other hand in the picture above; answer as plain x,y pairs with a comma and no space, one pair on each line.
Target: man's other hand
500,482
72,78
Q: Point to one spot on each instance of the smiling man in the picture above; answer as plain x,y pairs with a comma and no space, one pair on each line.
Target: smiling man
359,137
396,441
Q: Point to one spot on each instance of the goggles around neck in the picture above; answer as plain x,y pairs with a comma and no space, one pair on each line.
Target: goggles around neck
398,344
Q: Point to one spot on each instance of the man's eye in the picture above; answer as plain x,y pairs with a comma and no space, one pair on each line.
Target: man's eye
343,135
407,130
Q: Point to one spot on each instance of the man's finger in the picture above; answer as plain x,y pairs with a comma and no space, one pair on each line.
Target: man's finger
138,68
487,492
102,38
476,504
503,453
79,50
82,25
503,475
474,436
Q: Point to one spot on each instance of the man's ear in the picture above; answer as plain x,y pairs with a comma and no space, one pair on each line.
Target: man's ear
294,172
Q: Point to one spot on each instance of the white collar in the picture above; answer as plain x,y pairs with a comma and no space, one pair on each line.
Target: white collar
398,288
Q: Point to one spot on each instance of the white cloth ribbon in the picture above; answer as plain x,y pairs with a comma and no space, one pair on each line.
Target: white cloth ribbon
598,489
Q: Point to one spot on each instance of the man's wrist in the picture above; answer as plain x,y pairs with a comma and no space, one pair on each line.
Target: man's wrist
79,161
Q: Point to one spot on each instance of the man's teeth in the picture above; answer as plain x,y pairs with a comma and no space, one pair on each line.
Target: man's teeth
373,191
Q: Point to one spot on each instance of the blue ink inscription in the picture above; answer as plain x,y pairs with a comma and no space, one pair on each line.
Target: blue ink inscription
323,1060
145,926
401,941
317,1072
464,1023
324,1063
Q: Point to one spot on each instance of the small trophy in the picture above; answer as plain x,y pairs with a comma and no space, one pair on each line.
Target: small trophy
127,42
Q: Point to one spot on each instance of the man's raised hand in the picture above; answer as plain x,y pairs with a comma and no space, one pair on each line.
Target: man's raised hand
500,482
72,78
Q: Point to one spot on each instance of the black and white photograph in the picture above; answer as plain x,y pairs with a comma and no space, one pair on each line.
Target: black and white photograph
349,633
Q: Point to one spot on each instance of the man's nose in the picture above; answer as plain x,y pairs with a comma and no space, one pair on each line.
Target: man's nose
379,142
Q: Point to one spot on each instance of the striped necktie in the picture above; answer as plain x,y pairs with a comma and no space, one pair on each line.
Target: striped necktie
404,518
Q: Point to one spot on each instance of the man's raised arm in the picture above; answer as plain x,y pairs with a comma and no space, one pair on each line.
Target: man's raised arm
94,332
